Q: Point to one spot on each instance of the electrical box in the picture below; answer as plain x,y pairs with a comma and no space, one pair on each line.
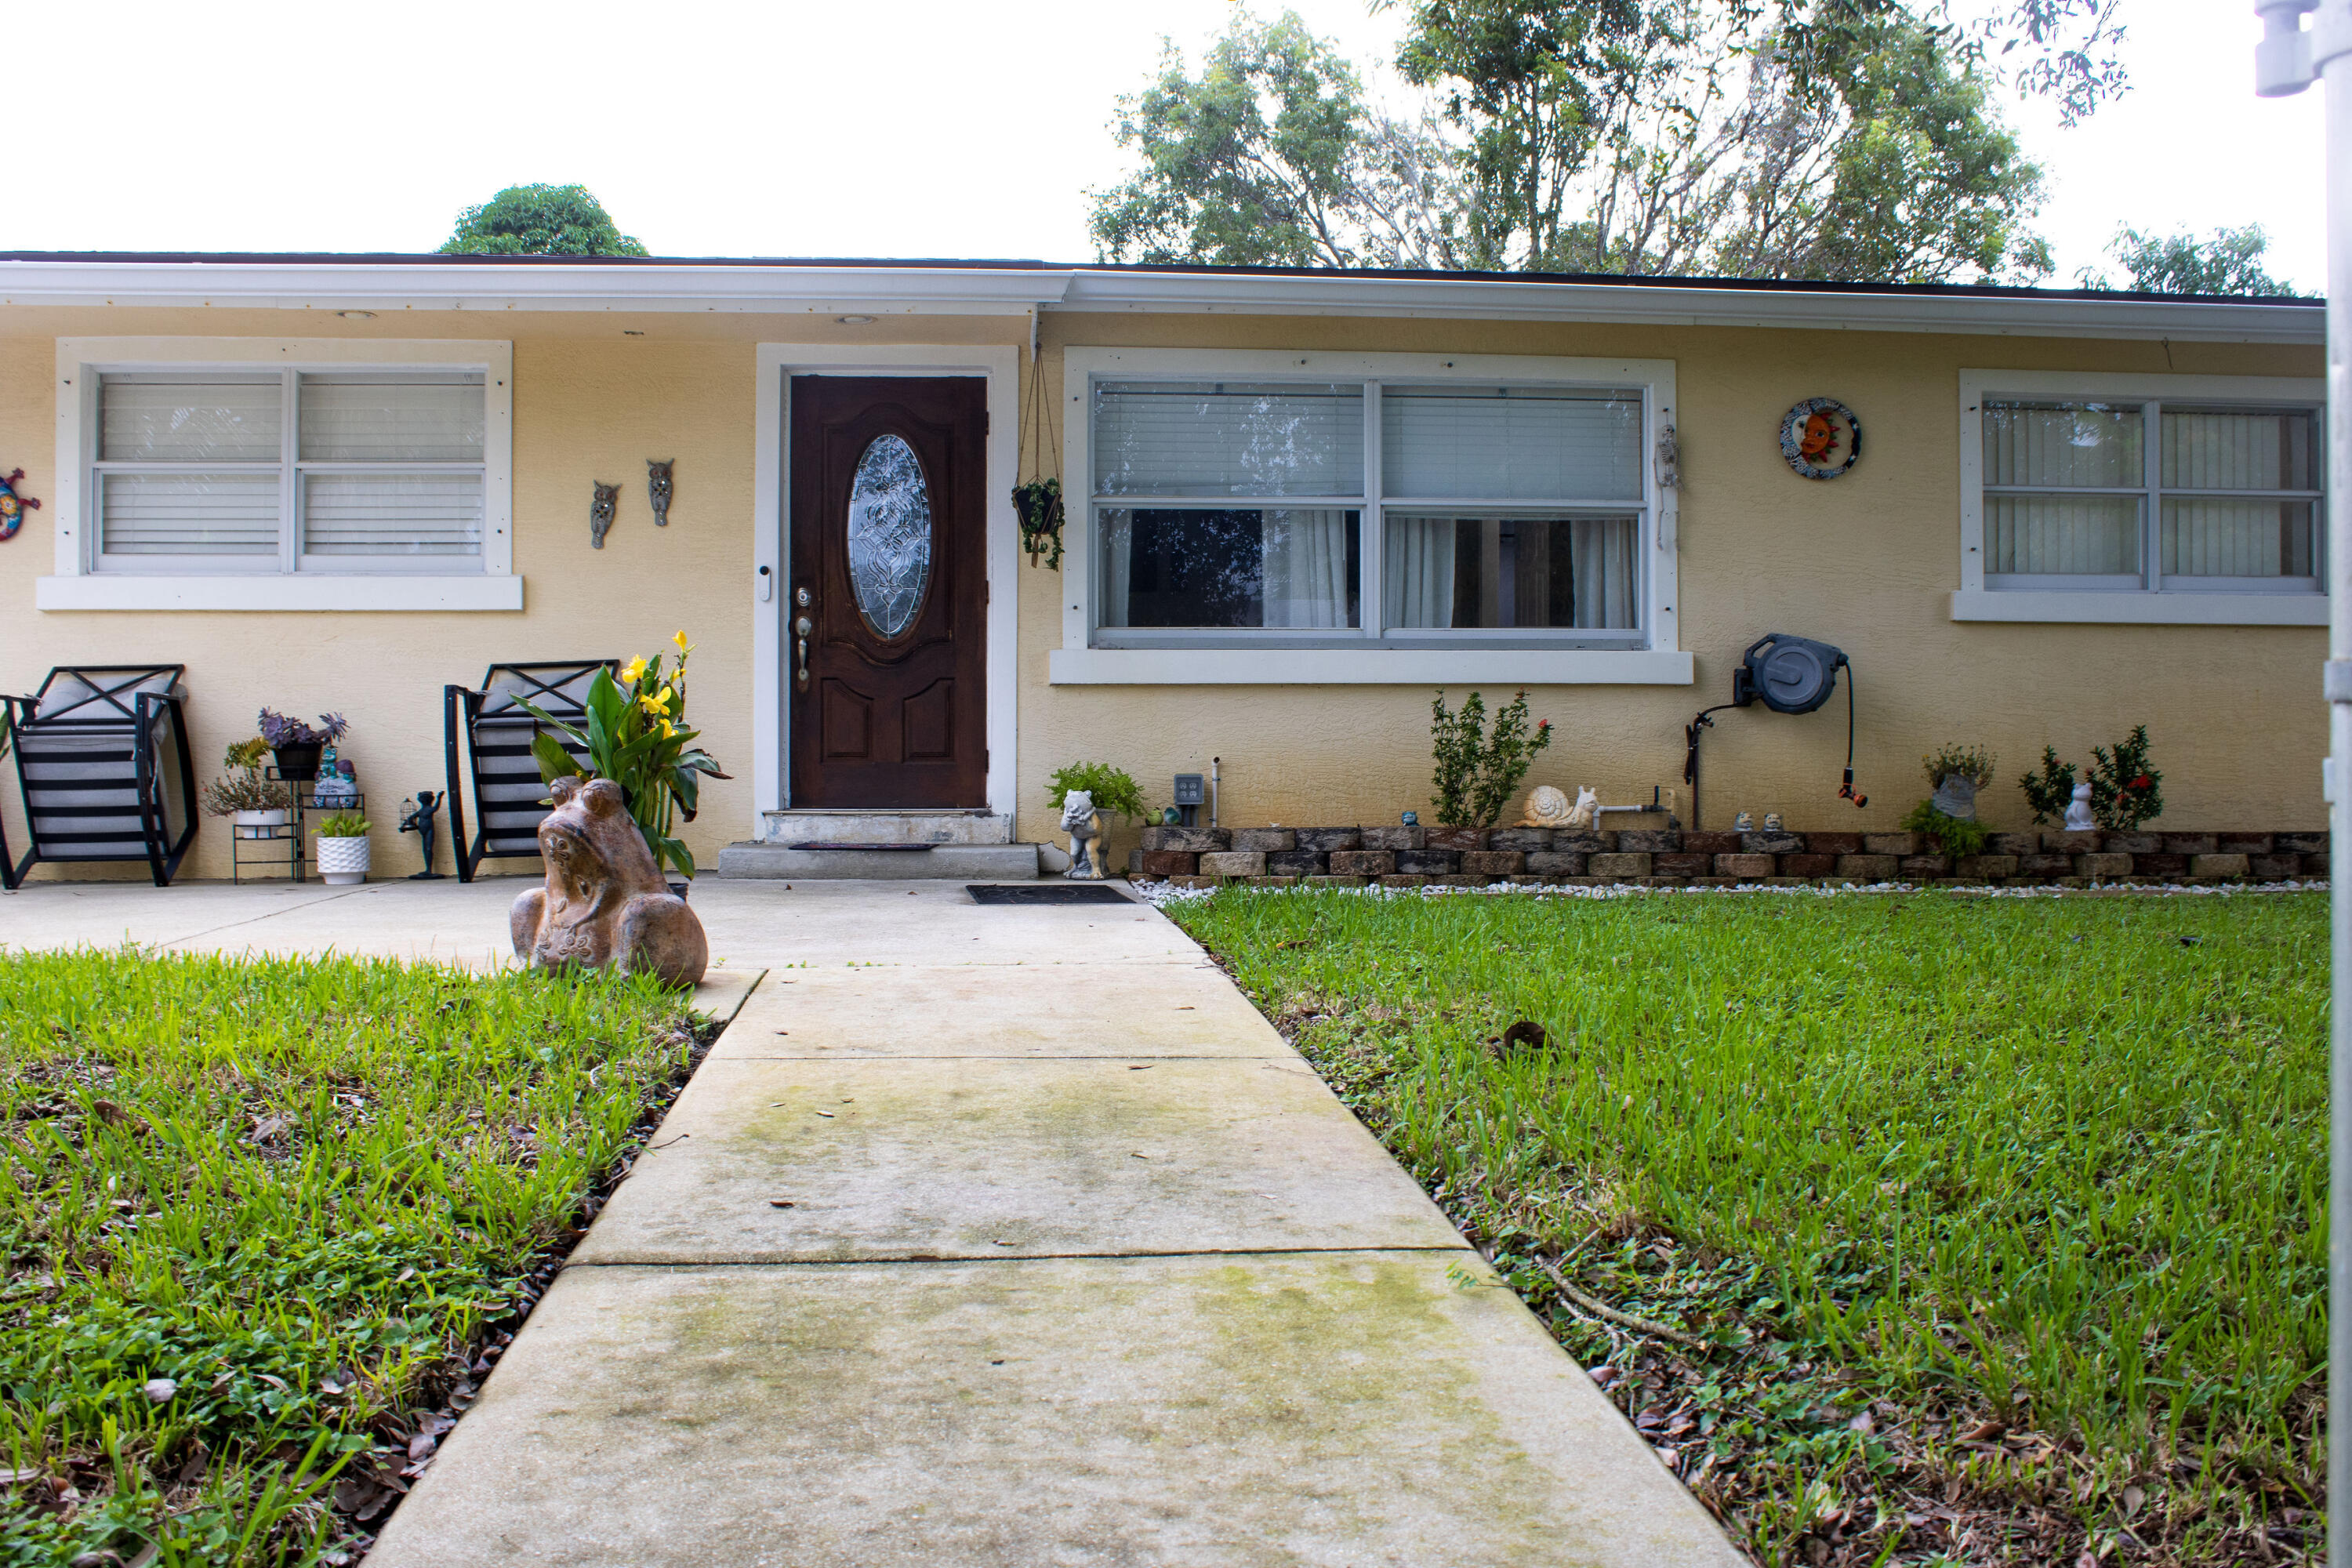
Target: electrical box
1192,791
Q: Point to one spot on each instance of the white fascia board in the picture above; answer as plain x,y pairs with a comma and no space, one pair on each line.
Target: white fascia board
1368,666
389,287
293,591
1667,304
2205,608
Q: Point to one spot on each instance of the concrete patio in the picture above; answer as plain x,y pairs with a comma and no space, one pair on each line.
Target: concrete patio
992,1235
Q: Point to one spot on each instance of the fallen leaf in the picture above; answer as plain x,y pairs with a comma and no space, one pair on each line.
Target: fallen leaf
424,1443
1143,1068
2133,1497
824,1113
780,1203
1984,1432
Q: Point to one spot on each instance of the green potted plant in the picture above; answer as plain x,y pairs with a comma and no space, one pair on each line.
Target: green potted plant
634,734
297,744
343,848
259,806
1949,816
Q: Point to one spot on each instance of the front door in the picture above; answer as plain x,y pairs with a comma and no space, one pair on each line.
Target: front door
889,602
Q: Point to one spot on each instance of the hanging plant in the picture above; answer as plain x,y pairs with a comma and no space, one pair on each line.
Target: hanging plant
1039,502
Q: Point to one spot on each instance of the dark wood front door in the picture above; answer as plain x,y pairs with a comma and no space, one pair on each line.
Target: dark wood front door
889,604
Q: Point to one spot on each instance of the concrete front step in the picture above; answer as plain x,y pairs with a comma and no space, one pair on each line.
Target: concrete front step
959,862
790,827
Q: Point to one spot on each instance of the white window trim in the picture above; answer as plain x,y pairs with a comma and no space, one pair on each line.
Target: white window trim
76,586
1077,663
1975,601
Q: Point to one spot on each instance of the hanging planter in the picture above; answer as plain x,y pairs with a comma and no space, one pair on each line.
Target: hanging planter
1039,502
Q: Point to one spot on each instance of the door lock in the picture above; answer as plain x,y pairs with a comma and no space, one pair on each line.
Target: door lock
802,627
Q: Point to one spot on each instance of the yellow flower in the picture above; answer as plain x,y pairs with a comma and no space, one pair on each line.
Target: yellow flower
632,672
656,703
667,729
683,645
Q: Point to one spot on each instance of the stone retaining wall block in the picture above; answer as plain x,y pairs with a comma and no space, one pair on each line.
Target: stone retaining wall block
1191,840
2317,865
2084,843
1832,843
2217,865
1809,866
1984,868
1771,844
1494,862
1648,840
1266,840
1688,863
1334,881
1323,840
1404,880
1922,868
1362,862
1297,863
2013,844
2242,843
2274,867
2134,844
1169,862
2299,843
1711,844
1196,882
2190,843
1581,841
1429,862
1392,838
1272,881
1869,867
1623,863
1898,844
1747,867
2045,866
1553,863
1234,863
1525,840
1457,839
2161,865
2102,868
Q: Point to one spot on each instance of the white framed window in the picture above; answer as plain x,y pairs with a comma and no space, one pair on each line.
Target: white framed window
262,474
1272,517
2142,499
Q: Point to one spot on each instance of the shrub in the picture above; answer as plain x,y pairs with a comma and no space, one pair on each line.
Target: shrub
1955,836
1973,763
2125,789
1112,788
1478,770
2051,793
343,825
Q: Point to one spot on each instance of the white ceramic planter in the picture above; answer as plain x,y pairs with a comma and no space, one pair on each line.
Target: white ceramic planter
261,824
343,861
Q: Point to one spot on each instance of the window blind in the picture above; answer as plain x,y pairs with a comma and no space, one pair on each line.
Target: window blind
2079,536
189,422
1511,443
227,515
390,515
1228,439
390,421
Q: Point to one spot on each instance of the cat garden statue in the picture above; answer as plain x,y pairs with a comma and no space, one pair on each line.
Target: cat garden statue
1083,823
604,904
2078,811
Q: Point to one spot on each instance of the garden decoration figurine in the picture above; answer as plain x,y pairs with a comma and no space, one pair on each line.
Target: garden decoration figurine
336,790
1409,818
660,487
600,512
1084,824
1587,815
14,504
419,816
1743,823
604,904
1771,822
2078,810
1547,807
1956,797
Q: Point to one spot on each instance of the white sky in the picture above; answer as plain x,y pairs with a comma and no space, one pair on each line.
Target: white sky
959,128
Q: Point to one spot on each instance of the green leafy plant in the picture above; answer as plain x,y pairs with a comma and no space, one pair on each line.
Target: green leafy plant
343,825
1955,836
634,734
1479,770
2126,790
1973,763
241,786
2052,791
1112,789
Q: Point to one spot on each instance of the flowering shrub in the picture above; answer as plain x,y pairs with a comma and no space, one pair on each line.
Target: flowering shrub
2125,790
1477,772
634,734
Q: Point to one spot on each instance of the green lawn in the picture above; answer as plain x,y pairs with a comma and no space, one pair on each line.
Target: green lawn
1997,1225
260,1214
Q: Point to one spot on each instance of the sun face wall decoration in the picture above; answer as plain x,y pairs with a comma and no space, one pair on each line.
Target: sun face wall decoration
1821,437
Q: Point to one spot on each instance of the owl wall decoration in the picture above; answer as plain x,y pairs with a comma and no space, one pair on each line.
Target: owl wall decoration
14,505
600,512
658,488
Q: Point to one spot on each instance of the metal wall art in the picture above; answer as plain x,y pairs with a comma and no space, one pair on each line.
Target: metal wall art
659,487
14,505
1812,433
600,512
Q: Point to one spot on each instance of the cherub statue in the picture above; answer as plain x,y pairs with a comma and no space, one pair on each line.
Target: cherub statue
2078,811
1083,823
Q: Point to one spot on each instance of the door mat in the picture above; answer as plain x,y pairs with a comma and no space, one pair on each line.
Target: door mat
1045,893
814,844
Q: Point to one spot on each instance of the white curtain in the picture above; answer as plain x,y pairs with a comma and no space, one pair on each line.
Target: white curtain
1602,558
1418,573
1114,542
2237,536
1304,562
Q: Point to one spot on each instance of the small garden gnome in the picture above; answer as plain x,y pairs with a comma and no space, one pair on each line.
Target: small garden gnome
2078,811
1083,823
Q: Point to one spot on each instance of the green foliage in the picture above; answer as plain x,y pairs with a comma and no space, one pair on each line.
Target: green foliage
241,786
634,734
1950,1160
1478,770
1973,763
539,220
1954,836
2051,793
2126,790
1112,789
2229,262
299,1189
342,825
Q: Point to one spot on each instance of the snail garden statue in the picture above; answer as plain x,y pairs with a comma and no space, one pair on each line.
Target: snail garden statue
604,904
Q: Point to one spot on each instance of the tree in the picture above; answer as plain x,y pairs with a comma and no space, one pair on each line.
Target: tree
2231,262
539,220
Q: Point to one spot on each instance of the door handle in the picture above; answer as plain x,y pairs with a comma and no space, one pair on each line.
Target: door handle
802,627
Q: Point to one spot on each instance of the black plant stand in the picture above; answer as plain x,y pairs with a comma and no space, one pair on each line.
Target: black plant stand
283,845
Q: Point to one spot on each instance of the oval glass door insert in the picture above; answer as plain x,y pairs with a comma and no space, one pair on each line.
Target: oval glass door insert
889,536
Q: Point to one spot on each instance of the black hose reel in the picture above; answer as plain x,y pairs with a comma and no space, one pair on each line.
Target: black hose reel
1788,675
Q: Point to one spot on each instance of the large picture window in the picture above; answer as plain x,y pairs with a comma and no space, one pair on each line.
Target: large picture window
1464,513
282,471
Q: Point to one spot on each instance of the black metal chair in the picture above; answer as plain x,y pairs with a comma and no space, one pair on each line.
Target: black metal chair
497,746
102,762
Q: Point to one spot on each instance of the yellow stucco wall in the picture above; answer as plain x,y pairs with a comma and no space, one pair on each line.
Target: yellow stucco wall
1866,563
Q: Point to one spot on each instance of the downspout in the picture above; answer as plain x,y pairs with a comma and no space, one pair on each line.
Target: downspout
2287,60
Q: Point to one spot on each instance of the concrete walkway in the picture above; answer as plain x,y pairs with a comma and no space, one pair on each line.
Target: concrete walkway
987,1235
